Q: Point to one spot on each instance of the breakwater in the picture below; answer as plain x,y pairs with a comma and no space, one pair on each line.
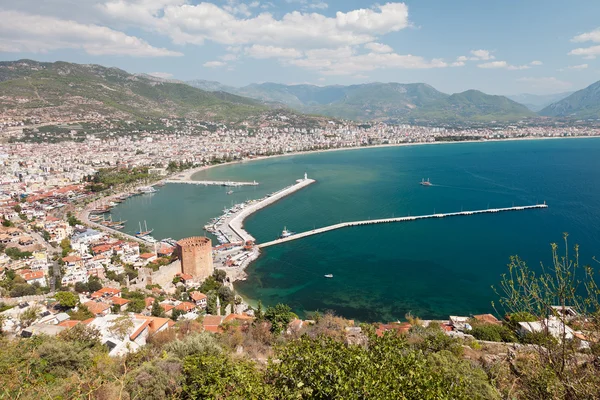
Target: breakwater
212,183
236,223
397,219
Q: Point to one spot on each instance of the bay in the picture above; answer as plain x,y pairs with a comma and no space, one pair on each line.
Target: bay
431,268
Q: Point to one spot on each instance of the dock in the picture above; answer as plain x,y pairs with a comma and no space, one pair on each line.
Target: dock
397,219
236,223
212,183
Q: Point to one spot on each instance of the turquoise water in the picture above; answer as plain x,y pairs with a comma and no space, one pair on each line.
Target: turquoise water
431,268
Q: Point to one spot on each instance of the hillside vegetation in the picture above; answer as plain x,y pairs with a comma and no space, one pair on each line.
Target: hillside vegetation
34,88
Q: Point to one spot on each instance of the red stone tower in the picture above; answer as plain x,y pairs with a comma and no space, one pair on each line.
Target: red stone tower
195,254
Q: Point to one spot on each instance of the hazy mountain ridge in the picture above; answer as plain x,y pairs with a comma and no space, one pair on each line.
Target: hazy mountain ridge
387,101
584,103
536,102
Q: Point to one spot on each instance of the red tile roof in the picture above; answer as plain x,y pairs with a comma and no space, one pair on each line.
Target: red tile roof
197,296
185,306
97,307
211,323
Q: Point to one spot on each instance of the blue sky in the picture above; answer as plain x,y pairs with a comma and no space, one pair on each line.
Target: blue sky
499,47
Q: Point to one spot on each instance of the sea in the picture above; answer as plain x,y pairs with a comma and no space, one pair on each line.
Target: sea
429,268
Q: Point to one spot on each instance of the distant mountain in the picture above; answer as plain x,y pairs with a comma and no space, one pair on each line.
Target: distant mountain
384,101
473,105
212,86
584,103
34,88
537,102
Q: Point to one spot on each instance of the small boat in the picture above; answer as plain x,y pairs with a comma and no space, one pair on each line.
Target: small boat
426,182
147,189
285,233
230,192
329,276
142,234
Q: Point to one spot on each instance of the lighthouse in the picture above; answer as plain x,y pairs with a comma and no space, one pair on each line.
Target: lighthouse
305,176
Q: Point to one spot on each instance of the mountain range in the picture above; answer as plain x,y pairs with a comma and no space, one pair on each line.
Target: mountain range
382,101
31,88
536,102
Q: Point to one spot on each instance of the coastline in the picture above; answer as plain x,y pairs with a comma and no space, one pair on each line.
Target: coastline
189,174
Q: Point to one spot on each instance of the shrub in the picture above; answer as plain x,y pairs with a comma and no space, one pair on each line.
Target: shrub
493,333
198,343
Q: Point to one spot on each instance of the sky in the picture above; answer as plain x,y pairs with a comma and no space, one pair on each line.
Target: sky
497,46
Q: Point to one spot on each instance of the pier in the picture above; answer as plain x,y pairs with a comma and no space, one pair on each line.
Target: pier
236,223
398,219
212,183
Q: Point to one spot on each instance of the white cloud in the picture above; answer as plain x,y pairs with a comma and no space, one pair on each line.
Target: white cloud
378,47
260,51
21,32
517,67
187,23
593,36
164,75
581,66
494,64
536,63
481,54
214,64
546,84
462,59
458,64
505,65
588,52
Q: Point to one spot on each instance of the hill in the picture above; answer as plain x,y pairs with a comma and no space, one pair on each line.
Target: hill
584,103
472,105
31,88
387,101
537,102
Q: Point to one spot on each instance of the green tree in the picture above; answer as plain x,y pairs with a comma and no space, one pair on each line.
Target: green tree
279,317
136,305
81,314
121,326
220,275
219,377
157,310
67,299
28,316
94,284
65,245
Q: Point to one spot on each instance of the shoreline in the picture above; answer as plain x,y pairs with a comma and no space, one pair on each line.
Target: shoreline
189,174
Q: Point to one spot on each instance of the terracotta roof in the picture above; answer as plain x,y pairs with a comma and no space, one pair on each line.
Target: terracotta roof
105,291
97,307
69,323
489,318
211,323
185,306
139,330
197,296
146,256
33,275
243,318
156,322
102,248
185,277
118,300
397,327
167,307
